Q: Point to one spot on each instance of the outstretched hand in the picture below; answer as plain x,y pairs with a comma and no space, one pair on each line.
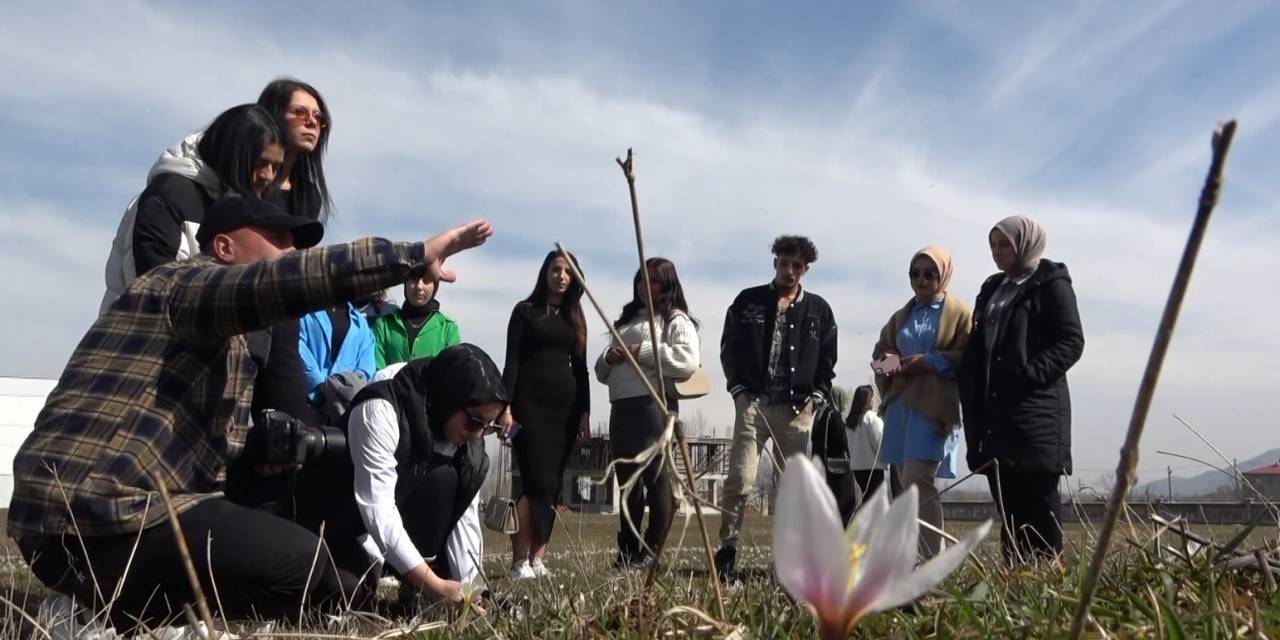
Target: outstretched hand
455,240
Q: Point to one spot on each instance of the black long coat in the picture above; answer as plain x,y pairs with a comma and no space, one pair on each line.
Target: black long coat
1017,407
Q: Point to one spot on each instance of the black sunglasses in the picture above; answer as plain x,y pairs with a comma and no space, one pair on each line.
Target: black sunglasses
927,274
476,423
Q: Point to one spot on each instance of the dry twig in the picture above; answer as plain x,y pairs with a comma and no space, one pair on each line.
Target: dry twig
1128,465
185,554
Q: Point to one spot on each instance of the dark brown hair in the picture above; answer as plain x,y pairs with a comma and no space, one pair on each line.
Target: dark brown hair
570,307
662,272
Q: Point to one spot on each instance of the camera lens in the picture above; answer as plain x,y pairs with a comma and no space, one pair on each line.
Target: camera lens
324,442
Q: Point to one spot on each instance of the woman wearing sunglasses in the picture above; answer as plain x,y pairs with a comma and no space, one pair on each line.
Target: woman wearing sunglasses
1017,406
915,361
306,124
417,459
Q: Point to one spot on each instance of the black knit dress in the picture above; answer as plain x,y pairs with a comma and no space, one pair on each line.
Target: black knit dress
547,382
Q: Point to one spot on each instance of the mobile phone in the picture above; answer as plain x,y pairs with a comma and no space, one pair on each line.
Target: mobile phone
887,364
515,428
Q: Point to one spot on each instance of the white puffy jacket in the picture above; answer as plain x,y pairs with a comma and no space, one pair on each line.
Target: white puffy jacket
182,159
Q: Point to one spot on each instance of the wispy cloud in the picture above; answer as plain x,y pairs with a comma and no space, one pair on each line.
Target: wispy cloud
935,122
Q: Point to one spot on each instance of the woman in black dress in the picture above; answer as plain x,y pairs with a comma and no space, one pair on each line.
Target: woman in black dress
546,378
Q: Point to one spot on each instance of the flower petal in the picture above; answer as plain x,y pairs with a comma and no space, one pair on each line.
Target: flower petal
810,554
932,573
873,509
890,554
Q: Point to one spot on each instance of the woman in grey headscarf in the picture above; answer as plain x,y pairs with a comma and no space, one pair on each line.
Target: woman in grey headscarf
1013,386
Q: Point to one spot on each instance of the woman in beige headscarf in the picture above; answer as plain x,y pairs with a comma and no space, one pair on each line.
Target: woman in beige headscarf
921,404
1013,385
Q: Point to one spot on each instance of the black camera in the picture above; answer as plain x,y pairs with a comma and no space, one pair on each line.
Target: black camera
286,440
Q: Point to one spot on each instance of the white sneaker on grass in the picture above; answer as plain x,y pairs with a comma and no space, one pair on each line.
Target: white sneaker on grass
540,570
522,571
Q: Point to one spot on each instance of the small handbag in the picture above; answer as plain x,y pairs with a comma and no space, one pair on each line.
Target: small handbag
698,384
829,439
695,386
500,509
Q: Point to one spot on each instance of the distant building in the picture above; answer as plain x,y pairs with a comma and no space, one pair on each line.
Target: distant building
586,489
1266,480
20,401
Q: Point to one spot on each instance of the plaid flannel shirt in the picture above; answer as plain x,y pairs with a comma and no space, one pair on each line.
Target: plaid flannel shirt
159,388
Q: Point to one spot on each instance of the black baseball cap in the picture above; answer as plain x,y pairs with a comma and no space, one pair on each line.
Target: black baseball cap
235,212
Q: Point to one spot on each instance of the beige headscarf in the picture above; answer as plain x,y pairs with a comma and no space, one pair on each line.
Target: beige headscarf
929,393
1028,239
942,260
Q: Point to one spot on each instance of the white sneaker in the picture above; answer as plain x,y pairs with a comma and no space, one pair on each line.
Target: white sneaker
522,571
540,570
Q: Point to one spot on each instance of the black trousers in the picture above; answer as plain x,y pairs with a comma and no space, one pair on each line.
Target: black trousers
852,488
427,498
868,480
653,490
634,425
257,564
1030,508
845,489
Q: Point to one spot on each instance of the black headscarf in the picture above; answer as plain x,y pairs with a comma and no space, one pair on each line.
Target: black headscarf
427,391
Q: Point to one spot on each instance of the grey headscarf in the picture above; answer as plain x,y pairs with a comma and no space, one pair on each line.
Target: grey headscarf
1028,239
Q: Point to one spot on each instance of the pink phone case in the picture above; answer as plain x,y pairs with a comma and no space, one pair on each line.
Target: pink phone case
888,364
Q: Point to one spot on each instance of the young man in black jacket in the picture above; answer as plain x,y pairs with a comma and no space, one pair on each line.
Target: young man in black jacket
779,356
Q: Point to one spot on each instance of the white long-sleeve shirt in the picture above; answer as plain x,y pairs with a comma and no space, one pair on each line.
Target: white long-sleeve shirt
466,542
864,443
372,437
678,347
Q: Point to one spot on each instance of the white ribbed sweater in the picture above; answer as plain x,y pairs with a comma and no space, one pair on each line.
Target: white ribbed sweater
678,347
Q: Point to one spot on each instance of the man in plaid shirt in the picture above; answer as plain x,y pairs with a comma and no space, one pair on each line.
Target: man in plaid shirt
159,391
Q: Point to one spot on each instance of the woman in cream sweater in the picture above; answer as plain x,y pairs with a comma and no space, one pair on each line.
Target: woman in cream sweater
635,420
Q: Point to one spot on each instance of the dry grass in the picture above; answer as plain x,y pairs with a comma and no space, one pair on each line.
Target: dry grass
1147,591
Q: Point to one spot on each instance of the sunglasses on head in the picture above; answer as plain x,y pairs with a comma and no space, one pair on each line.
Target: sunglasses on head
303,114
927,274
476,423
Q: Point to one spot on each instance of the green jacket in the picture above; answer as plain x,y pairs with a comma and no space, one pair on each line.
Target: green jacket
391,339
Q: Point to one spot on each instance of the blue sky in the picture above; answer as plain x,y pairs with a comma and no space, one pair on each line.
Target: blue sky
876,128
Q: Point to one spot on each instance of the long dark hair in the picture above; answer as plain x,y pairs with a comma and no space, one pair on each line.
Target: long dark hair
309,193
232,145
862,399
570,307
662,272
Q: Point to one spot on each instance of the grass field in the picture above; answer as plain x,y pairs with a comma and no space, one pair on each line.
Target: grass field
1146,592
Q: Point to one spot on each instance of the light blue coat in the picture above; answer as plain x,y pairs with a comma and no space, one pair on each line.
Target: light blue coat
315,337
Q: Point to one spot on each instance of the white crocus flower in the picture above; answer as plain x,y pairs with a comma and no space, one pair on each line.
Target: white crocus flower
843,575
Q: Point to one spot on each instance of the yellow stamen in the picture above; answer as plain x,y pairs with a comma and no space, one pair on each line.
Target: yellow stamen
856,551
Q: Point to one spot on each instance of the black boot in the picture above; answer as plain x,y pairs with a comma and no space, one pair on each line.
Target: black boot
726,561
626,551
644,556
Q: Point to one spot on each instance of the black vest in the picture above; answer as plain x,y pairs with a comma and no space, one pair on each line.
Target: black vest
415,452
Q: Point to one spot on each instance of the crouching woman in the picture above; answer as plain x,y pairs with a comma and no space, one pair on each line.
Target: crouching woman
416,461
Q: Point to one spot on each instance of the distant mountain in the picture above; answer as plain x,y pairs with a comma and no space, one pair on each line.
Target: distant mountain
1205,483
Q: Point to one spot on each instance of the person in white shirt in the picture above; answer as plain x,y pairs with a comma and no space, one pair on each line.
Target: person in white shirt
865,431
635,419
417,462
466,542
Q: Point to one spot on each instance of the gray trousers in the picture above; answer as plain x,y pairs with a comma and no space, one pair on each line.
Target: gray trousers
754,424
